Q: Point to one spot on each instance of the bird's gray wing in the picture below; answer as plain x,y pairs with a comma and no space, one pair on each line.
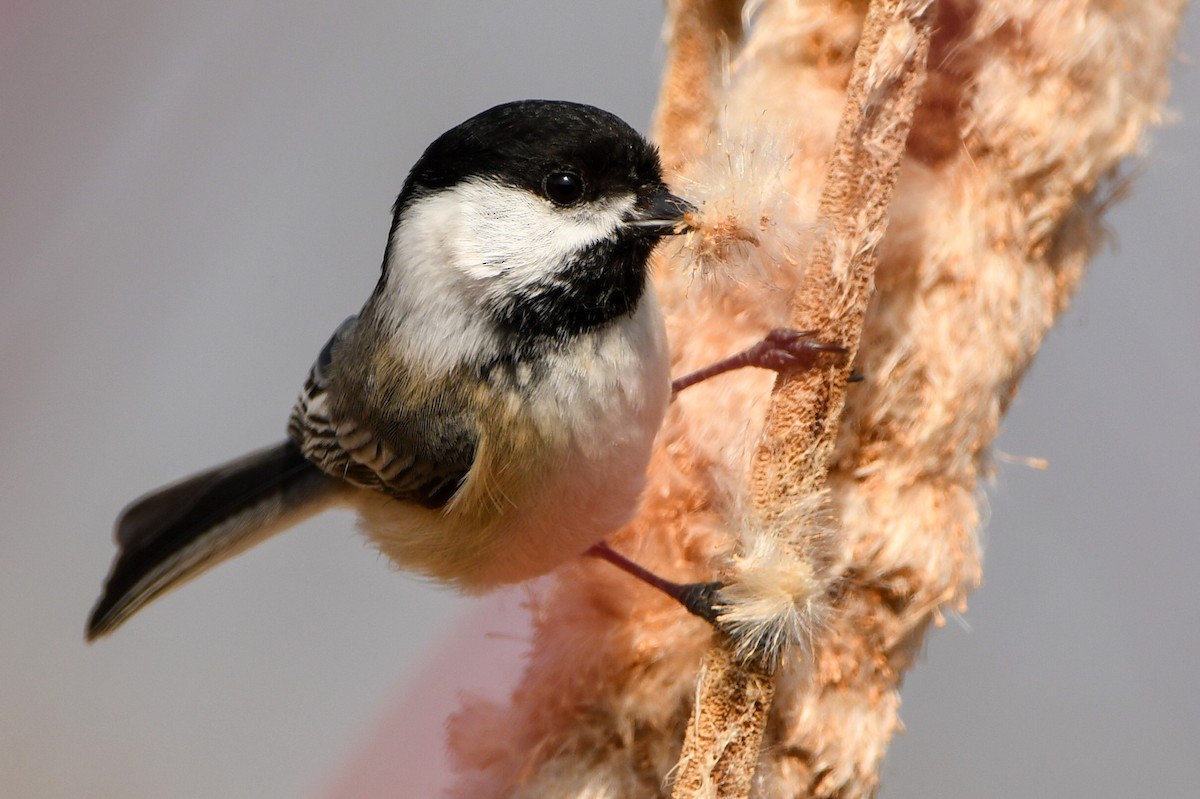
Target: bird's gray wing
176,532
390,457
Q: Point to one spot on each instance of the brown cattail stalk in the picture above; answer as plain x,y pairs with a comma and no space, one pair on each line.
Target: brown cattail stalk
1028,108
720,752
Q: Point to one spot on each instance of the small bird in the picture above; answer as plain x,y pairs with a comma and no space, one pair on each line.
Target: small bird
490,411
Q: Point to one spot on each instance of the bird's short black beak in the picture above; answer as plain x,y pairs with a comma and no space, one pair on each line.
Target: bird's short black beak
664,215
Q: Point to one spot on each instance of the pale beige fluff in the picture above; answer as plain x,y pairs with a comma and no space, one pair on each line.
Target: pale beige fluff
1029,108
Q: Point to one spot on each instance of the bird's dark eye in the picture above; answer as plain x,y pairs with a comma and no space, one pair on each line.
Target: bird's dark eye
563,188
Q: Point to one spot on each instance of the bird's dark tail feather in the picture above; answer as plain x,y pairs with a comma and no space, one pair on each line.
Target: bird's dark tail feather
175,533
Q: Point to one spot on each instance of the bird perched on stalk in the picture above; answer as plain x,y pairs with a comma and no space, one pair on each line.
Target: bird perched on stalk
490,411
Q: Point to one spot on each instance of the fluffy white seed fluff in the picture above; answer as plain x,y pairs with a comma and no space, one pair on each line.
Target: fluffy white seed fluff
775,598
746,229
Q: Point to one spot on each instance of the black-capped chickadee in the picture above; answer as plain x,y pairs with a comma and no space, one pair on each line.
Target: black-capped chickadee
490,411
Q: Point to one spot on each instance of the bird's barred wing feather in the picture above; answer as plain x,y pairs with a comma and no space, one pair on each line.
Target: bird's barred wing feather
351,450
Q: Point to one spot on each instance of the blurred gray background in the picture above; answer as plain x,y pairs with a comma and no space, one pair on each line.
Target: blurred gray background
195,194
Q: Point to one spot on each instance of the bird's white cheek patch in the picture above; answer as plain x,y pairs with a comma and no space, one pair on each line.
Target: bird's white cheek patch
460,249
506,238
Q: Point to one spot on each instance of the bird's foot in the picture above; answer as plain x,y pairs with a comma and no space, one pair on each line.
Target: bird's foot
781,350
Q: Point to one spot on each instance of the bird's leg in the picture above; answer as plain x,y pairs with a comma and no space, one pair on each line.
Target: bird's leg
698,598
781,350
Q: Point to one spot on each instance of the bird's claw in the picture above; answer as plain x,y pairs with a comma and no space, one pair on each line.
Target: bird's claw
700,599
784,349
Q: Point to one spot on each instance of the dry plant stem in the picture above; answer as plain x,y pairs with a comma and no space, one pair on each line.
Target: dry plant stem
699,30
792,459
1028,109
721,749
725,732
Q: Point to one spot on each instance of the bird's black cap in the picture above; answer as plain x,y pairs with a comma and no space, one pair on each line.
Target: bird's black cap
518,143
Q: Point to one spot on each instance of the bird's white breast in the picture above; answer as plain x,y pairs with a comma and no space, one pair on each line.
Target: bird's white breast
596,407
609,393
592,404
